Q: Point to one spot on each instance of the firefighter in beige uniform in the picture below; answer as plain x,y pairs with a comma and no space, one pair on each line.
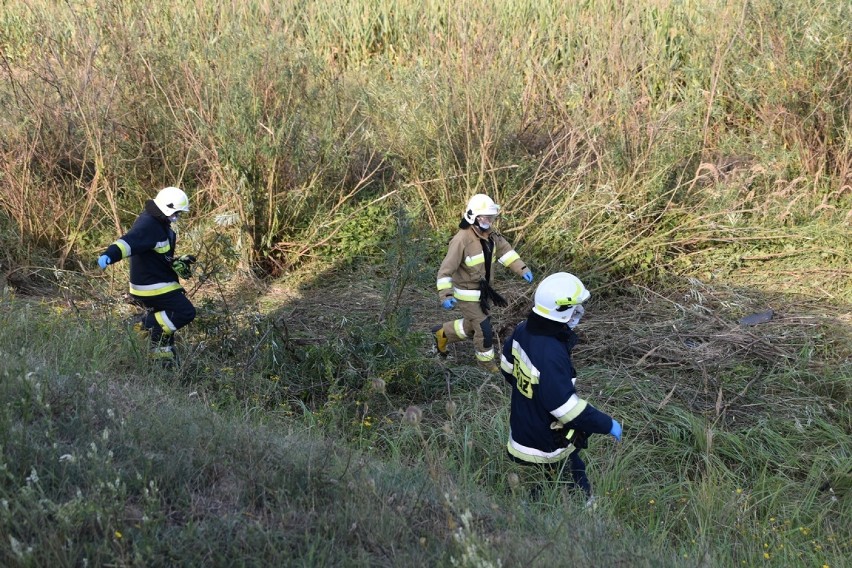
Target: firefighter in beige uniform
464,279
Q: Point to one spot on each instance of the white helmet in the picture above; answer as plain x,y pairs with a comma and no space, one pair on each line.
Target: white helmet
170,200
480,204
558,295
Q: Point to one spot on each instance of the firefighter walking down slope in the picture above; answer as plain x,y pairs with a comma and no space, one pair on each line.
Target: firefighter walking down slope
155,271
549,422
464,279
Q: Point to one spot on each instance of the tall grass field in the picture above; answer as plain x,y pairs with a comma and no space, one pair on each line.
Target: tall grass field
690,161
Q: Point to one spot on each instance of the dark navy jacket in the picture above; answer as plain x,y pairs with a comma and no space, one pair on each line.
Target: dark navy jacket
150,245
536,361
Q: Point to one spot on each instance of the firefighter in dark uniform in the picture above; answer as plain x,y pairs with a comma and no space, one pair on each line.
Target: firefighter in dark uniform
155,271
549,422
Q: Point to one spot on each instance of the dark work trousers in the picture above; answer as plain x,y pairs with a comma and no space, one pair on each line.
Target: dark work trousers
165,314
556,470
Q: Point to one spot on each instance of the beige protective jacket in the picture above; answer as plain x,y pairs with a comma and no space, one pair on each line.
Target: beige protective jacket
464,264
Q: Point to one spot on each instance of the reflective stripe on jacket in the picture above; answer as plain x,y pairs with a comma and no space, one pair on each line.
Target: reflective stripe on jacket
464,264
150,245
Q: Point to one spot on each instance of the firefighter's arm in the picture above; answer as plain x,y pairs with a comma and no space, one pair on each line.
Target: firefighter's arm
113,253
507,361
508,257
556,385
453,259
593,421
135,241
574,412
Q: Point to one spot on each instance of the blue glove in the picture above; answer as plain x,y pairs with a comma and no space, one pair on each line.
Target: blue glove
615,431
528,276
449,303
103,261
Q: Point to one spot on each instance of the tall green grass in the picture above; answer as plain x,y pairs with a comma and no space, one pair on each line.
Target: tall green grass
642,135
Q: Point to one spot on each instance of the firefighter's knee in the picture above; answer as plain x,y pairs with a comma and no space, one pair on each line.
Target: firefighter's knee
190,313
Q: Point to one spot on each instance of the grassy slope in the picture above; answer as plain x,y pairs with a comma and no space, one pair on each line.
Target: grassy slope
736,439
132,467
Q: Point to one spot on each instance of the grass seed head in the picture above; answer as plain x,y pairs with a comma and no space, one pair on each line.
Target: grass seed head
413,415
